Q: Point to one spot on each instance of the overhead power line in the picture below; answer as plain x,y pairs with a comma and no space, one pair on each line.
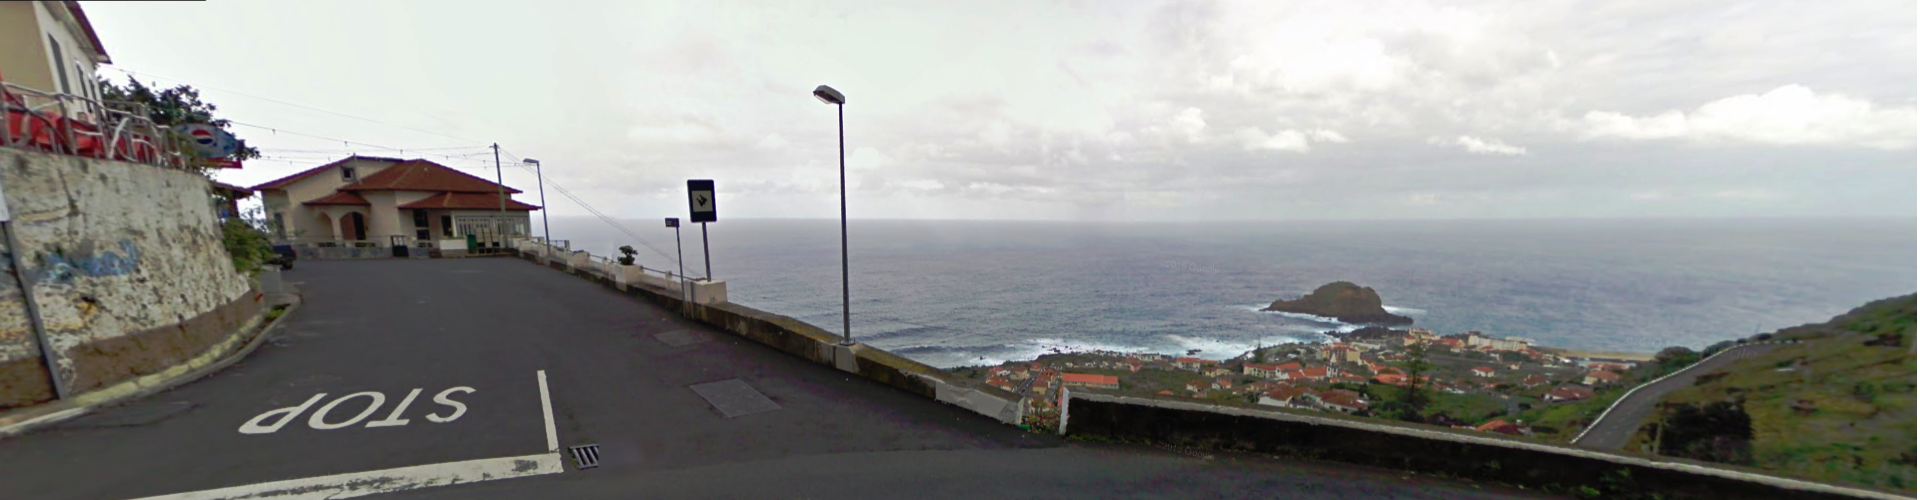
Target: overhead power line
297,105
583,204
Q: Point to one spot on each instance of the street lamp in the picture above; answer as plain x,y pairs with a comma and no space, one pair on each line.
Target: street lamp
839,101
545,230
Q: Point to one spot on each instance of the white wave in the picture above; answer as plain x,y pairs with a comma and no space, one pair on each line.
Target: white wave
1211,348
1404,311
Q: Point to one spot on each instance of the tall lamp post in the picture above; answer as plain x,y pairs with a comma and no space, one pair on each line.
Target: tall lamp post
546,231
839,101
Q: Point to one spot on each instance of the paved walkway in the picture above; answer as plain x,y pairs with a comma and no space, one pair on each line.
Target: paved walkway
1616,428
498,348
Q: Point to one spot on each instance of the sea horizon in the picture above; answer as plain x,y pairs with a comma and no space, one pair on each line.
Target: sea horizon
974,291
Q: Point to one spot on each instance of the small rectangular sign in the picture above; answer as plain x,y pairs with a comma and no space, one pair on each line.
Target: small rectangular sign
701,201
673,222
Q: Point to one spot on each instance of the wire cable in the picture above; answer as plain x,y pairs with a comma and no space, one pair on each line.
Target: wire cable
583,204
130,73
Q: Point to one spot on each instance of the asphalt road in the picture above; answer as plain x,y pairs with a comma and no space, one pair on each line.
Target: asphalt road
1616,428
472,334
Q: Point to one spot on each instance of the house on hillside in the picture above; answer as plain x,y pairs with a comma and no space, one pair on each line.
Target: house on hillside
1343,401
1194,364
1533,381
1287,397
391,201
1261,370
50,47
1601,377
1568,393
1504,427
1090,381
1483,371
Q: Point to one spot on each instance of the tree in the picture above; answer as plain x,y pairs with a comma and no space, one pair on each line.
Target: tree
174,106
1414,397
626,255
1674,358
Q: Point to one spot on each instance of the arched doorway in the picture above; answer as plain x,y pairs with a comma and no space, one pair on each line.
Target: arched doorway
333,232
353,226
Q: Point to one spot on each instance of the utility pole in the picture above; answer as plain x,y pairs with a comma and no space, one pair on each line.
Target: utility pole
500,184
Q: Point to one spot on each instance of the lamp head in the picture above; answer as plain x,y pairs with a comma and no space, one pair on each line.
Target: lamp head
829,95
530,161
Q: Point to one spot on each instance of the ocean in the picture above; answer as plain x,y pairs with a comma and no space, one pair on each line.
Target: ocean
951,293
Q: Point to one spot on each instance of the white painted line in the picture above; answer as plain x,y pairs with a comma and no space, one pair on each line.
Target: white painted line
356,484
546,410
50,417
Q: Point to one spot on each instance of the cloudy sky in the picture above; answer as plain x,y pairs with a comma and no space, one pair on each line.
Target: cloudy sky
1104,110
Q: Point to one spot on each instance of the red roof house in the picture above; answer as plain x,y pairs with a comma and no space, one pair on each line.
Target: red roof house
1090,380
387,199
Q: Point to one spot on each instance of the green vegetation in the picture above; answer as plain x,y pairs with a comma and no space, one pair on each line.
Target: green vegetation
246,245
1560,422
626,255
1837,407
173,106
276,312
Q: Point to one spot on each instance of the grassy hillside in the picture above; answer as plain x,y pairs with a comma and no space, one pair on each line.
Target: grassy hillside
1836,407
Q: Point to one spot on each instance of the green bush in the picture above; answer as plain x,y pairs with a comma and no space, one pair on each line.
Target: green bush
246,245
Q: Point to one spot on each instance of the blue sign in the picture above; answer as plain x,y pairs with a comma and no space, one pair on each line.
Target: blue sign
207,140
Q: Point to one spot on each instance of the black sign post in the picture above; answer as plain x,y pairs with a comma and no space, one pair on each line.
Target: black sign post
703,205
674,222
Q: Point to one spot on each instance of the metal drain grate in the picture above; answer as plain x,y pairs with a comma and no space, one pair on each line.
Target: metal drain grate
586,456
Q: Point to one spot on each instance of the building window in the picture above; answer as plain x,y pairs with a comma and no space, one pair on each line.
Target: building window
60,65
446,226
280,224
346,174
420,220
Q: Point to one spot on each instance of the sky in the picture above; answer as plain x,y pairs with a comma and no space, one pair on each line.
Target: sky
1079,110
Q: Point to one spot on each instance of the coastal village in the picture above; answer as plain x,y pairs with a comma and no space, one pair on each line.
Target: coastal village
1478,381
1331,377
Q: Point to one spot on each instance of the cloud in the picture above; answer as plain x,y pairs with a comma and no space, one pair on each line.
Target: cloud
1788,115
1479,146
1252,138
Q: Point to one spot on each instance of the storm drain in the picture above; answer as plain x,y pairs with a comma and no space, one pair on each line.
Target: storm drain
734,398
586,456
680,338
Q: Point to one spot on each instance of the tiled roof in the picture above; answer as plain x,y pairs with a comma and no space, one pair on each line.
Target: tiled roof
281,183
1491,425
1088,378
467,201
1342,397
422,175
243,192
338,198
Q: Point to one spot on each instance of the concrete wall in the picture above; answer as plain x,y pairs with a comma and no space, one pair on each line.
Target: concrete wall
126,265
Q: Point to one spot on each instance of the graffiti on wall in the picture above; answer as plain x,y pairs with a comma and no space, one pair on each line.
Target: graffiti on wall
60,268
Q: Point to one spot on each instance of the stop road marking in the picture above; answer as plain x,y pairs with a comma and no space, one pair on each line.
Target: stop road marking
260,424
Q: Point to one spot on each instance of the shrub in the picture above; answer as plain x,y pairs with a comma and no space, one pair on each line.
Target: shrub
246,245
626,255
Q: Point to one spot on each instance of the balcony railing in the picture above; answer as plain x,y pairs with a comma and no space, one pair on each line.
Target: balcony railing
74,125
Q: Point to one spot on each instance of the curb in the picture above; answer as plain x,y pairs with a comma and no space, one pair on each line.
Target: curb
28,419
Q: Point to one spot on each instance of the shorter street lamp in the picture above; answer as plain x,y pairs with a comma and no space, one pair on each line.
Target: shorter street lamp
545,230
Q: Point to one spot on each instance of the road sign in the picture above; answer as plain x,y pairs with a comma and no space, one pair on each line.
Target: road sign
700,198
673,222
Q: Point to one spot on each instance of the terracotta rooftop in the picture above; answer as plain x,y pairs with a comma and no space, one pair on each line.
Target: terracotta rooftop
281,183
338,198
1088,378
466,201
422,175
